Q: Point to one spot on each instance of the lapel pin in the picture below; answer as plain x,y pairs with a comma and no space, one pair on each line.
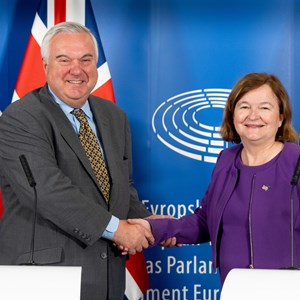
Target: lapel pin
265,188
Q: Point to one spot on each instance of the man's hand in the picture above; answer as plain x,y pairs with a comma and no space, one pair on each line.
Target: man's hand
141,222
170,242
132,238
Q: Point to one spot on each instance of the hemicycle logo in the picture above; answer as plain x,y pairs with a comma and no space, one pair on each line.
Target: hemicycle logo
189,123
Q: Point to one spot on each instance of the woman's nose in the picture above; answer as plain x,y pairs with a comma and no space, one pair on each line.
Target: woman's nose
253,114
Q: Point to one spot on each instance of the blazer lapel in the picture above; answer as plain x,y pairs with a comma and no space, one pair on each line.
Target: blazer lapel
66,130
102,124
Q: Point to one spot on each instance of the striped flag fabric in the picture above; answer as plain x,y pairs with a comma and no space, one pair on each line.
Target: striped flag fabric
137,280
31,76
49,13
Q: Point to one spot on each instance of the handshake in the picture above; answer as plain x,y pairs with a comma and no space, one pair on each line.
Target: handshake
135,235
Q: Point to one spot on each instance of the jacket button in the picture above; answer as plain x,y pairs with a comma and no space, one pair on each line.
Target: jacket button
103,255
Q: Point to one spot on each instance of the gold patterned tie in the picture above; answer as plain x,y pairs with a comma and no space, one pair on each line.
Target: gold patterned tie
92,149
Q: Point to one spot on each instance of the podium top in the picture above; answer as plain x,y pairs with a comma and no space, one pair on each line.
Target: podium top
249,284
40,282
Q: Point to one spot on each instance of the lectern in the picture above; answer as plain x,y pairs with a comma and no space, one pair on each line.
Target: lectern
40,282
261,284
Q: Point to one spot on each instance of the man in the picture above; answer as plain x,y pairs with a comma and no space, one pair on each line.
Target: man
78,222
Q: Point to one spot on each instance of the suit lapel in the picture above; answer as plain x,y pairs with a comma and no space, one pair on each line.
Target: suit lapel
66,130
102,124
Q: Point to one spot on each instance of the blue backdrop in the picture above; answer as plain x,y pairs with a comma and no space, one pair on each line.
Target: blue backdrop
173,63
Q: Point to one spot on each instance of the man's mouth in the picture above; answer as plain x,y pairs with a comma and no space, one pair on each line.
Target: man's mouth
75,81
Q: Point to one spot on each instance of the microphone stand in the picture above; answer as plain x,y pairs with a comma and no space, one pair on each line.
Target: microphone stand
31,261
294,181
292,226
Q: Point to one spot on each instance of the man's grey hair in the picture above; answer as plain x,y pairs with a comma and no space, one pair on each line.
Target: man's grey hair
68,27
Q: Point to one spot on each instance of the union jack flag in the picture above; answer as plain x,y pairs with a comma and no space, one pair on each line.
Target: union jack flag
49,13
31,76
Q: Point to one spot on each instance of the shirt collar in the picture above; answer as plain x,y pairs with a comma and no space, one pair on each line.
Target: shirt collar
67,109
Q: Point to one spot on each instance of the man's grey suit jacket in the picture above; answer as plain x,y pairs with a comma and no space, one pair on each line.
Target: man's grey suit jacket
72,213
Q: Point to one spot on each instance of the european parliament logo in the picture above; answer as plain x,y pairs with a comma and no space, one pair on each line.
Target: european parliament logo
189,123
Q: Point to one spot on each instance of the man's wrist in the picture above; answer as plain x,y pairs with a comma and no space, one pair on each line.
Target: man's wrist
111,228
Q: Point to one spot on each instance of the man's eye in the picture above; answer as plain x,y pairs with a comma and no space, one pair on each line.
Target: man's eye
86,61
63,61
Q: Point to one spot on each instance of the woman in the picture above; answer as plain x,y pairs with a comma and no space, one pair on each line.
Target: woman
245,212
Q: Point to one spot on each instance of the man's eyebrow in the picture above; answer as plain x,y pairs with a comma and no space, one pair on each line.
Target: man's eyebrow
87,55
61,55
66,56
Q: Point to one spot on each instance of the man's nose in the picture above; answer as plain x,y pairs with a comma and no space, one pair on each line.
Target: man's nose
75,67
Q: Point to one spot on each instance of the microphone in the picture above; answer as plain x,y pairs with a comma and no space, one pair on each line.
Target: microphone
32,183
27,170
296,173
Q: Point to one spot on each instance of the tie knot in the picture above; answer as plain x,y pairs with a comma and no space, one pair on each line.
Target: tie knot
79,114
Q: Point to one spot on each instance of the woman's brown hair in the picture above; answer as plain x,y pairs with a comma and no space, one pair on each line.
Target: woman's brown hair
285,133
